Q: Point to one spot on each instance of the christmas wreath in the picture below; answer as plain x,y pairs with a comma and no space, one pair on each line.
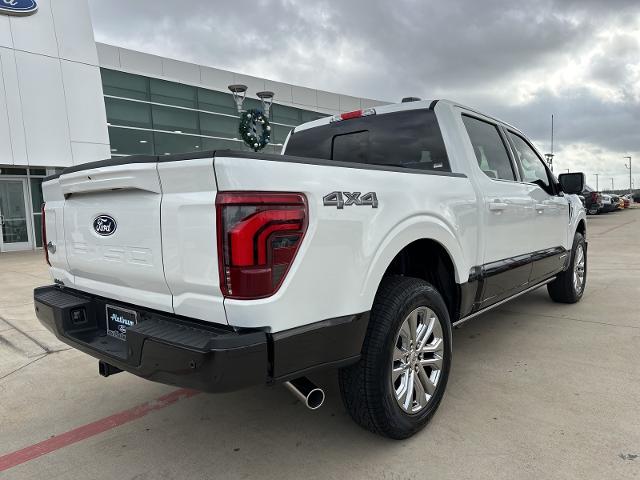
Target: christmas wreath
250,122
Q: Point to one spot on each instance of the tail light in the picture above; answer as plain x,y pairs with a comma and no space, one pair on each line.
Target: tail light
44,235
258,237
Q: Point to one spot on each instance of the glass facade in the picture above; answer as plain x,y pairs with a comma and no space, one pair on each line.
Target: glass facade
20,203
151,116
144,116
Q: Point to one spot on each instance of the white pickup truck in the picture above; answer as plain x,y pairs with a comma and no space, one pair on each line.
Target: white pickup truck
359,248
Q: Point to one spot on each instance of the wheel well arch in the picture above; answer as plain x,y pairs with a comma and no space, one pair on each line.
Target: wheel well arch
429,260
582,227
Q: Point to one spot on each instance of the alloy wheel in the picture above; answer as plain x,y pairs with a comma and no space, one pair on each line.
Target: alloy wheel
579,269
417,359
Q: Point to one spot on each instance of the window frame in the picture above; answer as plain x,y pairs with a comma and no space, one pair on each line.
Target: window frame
550,177
505,144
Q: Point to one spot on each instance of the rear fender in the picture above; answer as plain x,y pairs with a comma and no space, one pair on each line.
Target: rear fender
412,229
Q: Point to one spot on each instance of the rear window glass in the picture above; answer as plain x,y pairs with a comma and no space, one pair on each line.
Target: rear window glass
410,139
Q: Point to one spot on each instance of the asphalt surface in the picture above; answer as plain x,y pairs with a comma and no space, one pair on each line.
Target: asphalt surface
537,390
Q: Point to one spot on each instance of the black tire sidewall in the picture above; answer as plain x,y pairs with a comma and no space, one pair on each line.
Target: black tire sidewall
416,295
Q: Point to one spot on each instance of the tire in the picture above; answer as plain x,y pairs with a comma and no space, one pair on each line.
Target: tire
368,389
565,288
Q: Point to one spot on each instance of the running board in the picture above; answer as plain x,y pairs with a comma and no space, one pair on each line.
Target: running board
501,302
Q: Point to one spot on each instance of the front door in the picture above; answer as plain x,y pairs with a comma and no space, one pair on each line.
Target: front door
15,231
551,211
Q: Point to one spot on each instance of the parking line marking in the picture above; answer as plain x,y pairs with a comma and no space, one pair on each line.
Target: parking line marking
90,429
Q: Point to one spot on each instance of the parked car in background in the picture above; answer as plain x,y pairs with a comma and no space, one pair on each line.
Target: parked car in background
618,204
608,204
626,200
592,200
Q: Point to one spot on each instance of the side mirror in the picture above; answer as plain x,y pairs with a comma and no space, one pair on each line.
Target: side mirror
571,183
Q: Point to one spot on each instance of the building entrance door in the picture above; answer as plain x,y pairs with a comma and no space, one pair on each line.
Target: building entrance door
15,231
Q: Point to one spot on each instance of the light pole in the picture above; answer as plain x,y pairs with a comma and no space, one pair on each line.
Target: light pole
612,189
597,175
630,181
549,157
567,170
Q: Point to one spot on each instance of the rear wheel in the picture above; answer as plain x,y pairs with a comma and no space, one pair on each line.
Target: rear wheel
568,287
398,384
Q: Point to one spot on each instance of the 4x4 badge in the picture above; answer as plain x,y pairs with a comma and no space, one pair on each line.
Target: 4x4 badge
338,200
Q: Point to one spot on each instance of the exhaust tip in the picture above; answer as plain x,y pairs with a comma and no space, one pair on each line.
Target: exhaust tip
315,399
307,392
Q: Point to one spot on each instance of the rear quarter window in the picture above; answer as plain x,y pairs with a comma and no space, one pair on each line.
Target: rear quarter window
410,139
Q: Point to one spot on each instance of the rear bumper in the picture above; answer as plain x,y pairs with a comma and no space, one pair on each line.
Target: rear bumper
161,347
190,353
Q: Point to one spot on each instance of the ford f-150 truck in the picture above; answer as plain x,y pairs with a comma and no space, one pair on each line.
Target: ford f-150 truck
359,248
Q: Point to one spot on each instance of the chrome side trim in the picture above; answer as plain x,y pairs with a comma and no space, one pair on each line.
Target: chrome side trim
491,307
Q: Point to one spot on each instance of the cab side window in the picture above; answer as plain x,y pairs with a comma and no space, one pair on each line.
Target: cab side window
531,165
490,150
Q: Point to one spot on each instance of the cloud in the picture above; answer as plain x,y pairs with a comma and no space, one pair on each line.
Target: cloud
521,61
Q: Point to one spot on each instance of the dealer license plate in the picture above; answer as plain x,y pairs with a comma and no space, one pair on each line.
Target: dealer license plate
119,320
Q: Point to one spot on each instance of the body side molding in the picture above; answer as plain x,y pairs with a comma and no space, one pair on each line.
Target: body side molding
491,307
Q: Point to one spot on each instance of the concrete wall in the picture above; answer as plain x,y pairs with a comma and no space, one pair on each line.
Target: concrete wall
122,59
51,102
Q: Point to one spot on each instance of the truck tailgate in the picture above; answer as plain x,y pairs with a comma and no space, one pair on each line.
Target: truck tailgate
112,233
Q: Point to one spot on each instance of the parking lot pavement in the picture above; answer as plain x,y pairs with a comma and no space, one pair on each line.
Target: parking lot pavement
537,390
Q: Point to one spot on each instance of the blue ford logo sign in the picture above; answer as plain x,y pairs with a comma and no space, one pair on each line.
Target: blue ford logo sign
104,225
18,7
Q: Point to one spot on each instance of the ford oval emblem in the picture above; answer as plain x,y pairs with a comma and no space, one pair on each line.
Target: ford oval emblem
104,224
18,7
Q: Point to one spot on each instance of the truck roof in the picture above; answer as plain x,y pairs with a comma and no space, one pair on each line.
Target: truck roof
396,107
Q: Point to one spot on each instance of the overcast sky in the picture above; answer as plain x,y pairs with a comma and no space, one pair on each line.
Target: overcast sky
520,61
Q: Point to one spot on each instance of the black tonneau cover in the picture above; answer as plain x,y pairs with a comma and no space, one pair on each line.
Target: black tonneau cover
240,154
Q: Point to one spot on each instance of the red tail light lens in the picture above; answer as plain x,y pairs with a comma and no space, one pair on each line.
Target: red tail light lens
258,237
44,235
354,114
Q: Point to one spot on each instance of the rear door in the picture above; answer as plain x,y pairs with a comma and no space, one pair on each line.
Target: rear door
508,212
112,233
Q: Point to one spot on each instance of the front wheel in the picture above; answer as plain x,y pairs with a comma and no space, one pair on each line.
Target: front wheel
568,287
398,384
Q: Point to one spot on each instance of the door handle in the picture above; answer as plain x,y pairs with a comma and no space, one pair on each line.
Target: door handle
497,206
541,207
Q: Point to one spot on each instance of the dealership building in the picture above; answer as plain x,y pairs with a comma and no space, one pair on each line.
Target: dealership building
67,100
